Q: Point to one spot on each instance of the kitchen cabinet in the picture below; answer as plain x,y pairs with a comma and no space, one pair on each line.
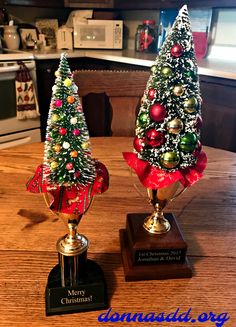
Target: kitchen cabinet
89,3
219,112
119,4
34,3
155,4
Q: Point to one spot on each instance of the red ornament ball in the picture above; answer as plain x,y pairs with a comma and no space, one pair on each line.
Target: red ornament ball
157,112
138,144
198,149
151,94
62,131
76,132
177,50
79,108
58,103
199,122
69,166
154,138
77,174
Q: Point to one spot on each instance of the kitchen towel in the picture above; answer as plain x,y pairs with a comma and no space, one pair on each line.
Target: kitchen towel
26,97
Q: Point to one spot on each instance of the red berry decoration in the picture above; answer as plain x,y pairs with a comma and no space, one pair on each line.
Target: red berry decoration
157,112
76,132
151,94
177,50
62,131
58,103
69,166
138,144
154,138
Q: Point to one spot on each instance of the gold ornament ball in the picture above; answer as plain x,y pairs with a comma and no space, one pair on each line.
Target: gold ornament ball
57,73
53,164
166,71
142,100
169,159
74,154
190,105
67,82
85,145
175,126
55,118
57,148
178,90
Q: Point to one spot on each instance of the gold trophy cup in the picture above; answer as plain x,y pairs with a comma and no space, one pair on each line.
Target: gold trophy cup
156,223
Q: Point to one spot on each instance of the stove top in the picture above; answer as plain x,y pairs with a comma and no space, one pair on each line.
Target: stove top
9,55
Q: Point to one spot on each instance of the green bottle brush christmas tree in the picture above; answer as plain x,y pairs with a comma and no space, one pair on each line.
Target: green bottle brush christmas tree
167,145
69,172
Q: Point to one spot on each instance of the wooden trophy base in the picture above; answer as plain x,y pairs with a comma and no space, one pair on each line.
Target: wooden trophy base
148,256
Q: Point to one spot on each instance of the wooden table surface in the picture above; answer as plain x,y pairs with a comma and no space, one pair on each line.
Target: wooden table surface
206,214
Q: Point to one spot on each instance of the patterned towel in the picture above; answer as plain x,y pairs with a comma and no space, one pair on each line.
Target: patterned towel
26,99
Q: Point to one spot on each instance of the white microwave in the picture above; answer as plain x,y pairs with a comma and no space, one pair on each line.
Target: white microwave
98,34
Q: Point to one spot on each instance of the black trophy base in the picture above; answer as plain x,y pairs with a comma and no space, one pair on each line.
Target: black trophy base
89,295
148,257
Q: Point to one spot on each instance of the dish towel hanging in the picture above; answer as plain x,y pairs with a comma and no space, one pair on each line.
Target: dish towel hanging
26,98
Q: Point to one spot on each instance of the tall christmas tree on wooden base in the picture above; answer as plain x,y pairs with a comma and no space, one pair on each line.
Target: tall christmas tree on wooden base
69,178
167,153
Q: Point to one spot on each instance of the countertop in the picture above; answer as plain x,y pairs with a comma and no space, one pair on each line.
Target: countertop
29,231
208,67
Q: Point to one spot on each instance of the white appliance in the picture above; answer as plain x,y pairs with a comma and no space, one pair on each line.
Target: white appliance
98,34
64,38
13,131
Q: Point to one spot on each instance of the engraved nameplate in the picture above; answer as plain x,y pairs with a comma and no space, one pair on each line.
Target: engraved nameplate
143,257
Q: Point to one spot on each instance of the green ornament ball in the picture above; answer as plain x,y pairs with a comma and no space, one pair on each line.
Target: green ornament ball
166,72
191,105
143,118
188,142
154,69
169,160
191,74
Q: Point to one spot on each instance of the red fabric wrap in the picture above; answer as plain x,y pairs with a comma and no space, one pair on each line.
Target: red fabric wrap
70,199
154,178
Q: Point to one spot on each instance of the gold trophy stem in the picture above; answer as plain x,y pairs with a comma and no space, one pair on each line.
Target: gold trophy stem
156,223
72,248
